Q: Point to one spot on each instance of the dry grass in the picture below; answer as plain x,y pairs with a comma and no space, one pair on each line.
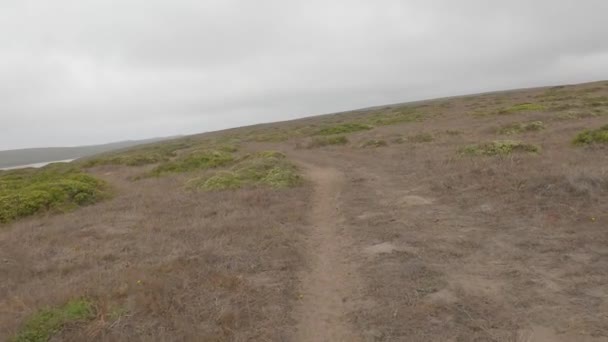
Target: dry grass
374,143
502,244
464,249
317,142
194,266
521,127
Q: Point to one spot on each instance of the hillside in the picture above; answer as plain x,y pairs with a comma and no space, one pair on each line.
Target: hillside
10,158
474,218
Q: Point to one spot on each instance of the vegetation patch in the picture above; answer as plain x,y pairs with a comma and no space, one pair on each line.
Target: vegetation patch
149,154
581,114
343,129
128,160
44,324
521,127
56,187
327,141
268,168
393,117
223,180
500,147
374,143
522,107
597,101
201,160
275,136
562,106
588,137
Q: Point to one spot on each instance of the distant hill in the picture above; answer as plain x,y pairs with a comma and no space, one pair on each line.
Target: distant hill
27,156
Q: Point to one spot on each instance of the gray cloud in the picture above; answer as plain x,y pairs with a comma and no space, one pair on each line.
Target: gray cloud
76,72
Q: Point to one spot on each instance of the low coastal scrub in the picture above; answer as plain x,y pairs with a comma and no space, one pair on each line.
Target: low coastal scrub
55,187
394,117
268,168
498,148
343,129
200,160
146,155
521,127
44,324
596,136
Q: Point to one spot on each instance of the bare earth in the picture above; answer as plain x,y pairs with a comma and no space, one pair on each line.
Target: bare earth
405,242
329,287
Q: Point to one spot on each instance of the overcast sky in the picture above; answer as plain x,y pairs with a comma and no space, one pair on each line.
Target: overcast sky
93,71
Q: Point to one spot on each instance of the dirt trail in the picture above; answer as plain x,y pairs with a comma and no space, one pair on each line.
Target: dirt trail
330,285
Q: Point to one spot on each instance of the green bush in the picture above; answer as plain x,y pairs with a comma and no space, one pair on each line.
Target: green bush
139,156
223,180
282,176
196,161
501,147
268,168
597,136
393,117
29,191
327,141
343,129
41,326
521,127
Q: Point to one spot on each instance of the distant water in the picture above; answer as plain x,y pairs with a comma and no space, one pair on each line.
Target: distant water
36,165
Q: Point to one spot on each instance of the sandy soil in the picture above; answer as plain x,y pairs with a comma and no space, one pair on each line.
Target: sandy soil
330,285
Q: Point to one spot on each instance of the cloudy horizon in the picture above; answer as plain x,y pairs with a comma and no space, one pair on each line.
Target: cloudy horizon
82,73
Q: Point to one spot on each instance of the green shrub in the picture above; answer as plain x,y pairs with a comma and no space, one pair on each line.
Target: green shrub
282,176
394,117
196,161
327,141
521,127
41,326
269,154
129,160
343,129
501,147
374,143
223,180
269,168
29,191
522,107
139,156
597,136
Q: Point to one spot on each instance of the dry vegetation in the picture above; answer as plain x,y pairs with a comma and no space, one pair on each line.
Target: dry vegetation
446,231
